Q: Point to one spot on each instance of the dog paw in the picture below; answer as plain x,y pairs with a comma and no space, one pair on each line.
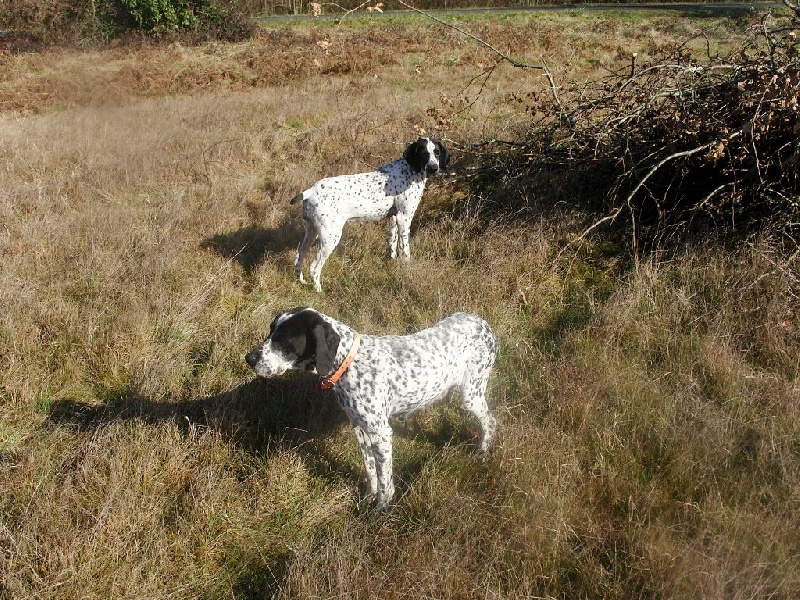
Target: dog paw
482,454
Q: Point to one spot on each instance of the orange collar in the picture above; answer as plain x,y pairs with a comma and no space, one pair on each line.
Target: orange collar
326,383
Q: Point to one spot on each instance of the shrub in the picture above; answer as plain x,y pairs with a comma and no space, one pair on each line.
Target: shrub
31,23
208,18
161,14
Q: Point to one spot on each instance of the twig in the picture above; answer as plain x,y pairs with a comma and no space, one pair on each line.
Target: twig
664,161
606,219
485,74
495,141
553,89
715,192
352,10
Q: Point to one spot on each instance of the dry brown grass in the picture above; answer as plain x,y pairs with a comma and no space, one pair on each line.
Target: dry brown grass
649,433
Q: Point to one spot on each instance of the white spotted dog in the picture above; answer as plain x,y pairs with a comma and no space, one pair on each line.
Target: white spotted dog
392,191
377,377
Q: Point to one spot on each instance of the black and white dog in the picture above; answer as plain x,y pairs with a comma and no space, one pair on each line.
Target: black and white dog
392,191
377,377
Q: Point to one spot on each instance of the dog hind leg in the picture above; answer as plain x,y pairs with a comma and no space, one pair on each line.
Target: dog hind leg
308,239
328,240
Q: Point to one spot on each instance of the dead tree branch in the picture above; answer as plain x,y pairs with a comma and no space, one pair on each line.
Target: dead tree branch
512,61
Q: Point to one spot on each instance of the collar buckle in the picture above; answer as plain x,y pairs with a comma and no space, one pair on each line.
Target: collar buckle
327,382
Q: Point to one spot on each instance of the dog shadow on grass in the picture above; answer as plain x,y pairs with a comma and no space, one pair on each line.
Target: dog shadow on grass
265,415
260,416
250,246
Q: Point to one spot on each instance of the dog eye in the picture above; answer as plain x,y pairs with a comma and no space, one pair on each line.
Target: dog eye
436,152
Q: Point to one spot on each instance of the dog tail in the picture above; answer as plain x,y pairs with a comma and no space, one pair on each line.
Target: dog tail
296,199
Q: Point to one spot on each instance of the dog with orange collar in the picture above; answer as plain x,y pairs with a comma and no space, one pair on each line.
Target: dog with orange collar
378,377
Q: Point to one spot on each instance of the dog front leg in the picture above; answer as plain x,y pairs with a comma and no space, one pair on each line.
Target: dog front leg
393,236
382,450
365,445
404,233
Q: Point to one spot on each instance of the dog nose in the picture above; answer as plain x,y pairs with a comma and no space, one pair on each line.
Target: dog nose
251,358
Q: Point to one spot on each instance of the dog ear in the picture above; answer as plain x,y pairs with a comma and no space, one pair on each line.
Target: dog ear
326,342
444,155
415,155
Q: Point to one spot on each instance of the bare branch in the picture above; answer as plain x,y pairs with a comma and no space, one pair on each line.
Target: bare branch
794,7
352,10
512,61
661,163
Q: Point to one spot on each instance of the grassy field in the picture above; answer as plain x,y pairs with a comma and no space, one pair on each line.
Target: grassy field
649,419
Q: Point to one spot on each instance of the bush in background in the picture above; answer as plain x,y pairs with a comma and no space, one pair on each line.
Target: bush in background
27,24
208,18
161,14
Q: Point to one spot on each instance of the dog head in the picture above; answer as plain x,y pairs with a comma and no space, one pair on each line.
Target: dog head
427,155
298,339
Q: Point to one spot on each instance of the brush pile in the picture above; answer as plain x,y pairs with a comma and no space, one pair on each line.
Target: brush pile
678,147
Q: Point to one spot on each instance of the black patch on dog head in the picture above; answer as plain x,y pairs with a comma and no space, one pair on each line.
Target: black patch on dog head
283,317
416,154
304,334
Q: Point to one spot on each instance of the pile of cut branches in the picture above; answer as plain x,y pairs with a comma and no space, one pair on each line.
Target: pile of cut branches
673,148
